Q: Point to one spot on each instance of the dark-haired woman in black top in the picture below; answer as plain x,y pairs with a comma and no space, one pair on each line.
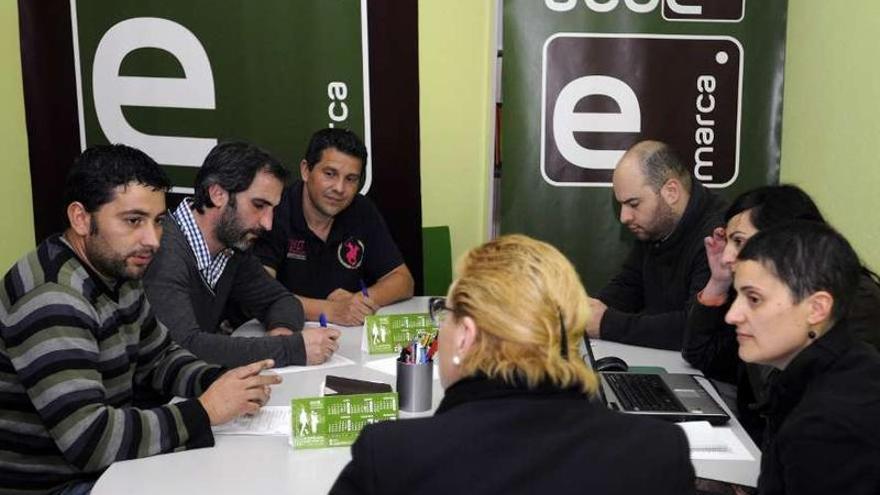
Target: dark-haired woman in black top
710,343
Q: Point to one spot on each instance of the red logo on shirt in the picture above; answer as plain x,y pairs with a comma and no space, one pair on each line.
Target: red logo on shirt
351,253
296,249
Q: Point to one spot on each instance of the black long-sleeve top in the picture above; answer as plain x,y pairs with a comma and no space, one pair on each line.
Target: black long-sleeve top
648,299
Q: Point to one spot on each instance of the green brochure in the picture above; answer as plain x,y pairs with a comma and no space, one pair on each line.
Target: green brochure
384,334
336,421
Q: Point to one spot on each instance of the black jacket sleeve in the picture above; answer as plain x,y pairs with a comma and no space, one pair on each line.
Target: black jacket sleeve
864,315
847,463
625,292
659,330
359,475
709,343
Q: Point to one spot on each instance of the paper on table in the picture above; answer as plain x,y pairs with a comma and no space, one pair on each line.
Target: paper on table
701,436
271,420
714,443
389,366
335,361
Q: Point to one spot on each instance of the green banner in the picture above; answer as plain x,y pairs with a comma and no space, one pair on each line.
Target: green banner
385,334
172,78
336,420
584,80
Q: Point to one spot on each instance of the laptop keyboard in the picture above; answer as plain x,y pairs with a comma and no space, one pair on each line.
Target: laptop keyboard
643,392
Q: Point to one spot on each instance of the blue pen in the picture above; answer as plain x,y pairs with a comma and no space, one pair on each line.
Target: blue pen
322,319
364,288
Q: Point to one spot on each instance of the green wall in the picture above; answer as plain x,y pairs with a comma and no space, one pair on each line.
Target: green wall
831,123
16,212
456,64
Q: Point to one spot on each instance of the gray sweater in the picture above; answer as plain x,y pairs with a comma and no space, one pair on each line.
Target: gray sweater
192,311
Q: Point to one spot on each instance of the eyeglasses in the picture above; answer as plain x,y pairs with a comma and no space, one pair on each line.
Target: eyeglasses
438,310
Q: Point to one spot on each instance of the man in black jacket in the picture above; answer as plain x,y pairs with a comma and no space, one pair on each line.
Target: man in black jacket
669,213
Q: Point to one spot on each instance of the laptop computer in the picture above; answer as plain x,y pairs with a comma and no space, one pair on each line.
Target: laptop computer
668,396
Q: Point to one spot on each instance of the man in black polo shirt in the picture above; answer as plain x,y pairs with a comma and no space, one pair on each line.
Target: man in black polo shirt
329,245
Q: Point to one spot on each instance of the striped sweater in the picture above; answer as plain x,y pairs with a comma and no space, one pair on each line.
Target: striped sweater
74,351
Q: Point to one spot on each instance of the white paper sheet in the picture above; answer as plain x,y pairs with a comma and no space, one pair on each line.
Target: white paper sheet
335,361
271,420
389,366
714,443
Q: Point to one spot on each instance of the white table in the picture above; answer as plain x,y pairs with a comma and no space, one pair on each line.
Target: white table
739,472
265,464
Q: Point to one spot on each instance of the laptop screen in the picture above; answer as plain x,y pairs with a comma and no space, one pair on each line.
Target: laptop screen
586,351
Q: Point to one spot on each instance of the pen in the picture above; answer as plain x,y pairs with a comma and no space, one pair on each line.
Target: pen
322,319
364,288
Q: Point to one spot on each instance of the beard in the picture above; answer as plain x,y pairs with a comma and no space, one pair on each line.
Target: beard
663,224
110,263
230,231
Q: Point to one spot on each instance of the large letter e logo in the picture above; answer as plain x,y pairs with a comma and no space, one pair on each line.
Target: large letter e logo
566,122
112,91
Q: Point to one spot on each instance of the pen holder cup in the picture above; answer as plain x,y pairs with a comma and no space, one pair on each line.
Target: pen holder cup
414,382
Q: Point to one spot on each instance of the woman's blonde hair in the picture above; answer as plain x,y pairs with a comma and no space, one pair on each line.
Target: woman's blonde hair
523,296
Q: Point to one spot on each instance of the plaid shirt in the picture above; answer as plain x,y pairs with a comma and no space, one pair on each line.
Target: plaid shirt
210,269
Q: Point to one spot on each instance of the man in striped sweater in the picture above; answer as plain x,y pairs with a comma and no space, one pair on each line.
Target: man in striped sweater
79,342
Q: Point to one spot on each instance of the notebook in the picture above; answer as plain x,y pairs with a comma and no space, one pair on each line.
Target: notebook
669,396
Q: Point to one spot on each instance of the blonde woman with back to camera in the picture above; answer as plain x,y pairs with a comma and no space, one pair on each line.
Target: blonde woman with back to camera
517,415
